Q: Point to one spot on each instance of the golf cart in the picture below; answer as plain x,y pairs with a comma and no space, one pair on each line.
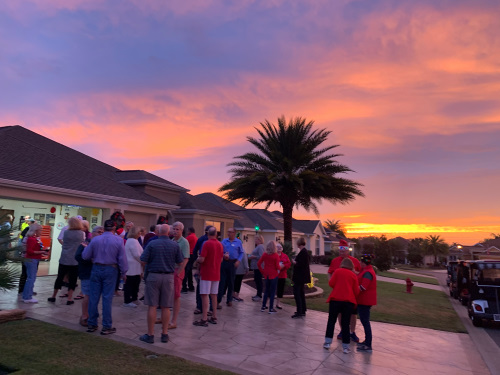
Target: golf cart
484,302
452,278
463,281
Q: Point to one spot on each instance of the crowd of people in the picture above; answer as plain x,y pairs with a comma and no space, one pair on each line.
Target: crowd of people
168,262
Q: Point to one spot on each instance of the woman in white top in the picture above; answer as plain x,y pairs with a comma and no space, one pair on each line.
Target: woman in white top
133,249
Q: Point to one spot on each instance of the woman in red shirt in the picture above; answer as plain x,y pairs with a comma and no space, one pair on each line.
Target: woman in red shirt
285,264
342,299
34,252
270,273
366,299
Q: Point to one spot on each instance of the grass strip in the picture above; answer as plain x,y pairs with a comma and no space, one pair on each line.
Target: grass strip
36,347
425,308
414,278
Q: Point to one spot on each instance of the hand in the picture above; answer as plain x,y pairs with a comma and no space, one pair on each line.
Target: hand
226,256
236,264
124,278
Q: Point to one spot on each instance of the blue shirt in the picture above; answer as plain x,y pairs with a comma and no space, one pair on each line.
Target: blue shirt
107,249
162,255
234,248
199,244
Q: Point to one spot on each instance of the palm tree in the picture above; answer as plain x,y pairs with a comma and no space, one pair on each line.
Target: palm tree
436,246
335,226
9,275
292,168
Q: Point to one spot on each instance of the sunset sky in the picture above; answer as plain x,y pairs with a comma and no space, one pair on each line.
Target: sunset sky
409,89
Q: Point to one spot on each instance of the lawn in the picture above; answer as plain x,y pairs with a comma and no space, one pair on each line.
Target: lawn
425,308
36,347
401,276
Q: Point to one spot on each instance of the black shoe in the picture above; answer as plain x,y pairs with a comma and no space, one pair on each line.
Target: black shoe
91,329
164,338
108,331
51,299
70,302
191,289
184,291
297,316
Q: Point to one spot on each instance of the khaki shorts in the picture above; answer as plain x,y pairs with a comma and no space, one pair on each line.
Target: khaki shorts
159,290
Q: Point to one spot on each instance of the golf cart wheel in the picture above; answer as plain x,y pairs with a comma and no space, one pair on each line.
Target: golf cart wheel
476,322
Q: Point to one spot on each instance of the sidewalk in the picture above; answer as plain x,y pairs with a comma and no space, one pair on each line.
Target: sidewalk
247,341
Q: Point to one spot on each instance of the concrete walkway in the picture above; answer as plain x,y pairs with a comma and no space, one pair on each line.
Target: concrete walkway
247,341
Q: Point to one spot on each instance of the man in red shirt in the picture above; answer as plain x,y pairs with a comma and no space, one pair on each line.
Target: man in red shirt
210,261
344,253
187,282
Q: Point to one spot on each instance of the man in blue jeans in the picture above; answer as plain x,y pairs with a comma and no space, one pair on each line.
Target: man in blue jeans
108,255
233,254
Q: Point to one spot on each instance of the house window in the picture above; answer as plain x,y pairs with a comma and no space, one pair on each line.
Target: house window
218,225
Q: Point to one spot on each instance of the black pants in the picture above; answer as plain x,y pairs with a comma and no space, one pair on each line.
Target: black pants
257,278
336,308
187,282
364,316
281,287
71,271
131,288
300,298
238,279
227,274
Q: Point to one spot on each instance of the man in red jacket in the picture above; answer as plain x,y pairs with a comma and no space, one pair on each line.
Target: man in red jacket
344,253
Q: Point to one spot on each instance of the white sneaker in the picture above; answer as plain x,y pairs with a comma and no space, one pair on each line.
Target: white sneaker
131,304
326,345
346,350
30,300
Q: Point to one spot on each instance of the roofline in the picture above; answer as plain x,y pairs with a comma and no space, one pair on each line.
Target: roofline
203,212
154,183
83,194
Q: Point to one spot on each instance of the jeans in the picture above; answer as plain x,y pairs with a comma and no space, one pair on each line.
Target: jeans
31,269
364,317
227,275
257,277
300,298
270,292
102,282
336,308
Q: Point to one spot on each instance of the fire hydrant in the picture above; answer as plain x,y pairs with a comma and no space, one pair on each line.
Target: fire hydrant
409,286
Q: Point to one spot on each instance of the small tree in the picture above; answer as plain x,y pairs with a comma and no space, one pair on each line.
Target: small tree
383,258
416,251
9,275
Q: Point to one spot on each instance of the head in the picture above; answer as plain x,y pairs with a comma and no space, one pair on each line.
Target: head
142,231
271,247
97,231
109,226
74,224
133,232
343,249
31,221
128,225
178,227
27,218
207,228
85,225
259,240
347,263
164,230
366,260
279,248
212,233
79,217
191,230
35,230
301,242
157,229
9,217
231,234
152,228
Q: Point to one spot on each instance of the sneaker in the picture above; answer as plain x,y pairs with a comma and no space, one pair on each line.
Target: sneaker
108,331
164,338
339,336
326,345
91,329
354,337
256,298
364,348
272,311
263,309
346,350
30,300
147,338
51,299
131,304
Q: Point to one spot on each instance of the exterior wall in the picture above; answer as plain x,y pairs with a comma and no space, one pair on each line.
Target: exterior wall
141,219
198,221
160,193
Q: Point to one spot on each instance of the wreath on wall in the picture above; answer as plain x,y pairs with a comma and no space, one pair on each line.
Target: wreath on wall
119,219
162,220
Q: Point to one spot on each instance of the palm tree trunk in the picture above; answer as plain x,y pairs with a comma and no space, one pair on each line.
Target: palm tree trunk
287,222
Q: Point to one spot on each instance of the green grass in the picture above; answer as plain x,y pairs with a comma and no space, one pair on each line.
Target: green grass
36,347
401,276
425,308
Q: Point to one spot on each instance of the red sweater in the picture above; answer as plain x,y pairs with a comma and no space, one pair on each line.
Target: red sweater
345,286
271,265
368,294
286,263
33,245
335,264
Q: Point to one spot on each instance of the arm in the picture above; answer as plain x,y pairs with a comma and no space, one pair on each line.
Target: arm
259,263
365,281
137,251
